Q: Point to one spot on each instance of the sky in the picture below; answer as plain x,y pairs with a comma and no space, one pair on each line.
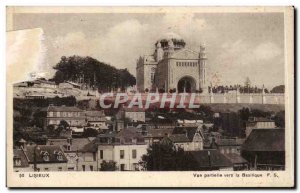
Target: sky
239,45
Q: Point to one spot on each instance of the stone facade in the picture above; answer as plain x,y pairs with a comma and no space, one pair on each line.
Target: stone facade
172,67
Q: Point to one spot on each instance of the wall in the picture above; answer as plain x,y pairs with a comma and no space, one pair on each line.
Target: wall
128,160
112,153
257,98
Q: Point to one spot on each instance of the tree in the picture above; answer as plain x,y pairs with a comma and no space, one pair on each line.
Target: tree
278,89
244,114
92,73
164,156
90,132
247,82
259,113
108,166
63,125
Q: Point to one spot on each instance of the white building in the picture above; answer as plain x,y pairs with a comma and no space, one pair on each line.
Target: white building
126,148
172,66
259,123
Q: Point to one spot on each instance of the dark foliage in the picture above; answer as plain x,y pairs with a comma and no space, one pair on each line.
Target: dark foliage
108,166
90,132
280,119
166,157
278,89
92,73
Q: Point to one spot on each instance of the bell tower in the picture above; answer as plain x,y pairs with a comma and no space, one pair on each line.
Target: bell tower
159,52
202,68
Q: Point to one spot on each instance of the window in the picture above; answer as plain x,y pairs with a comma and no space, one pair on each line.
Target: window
59,169
50,114
58,114
83,167
46,169
69,148
134,154
71,169
122,154
91,168
122,167
101,154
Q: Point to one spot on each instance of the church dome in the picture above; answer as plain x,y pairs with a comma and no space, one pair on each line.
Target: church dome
170,37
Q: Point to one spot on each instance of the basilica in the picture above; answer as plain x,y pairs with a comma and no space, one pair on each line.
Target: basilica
172,67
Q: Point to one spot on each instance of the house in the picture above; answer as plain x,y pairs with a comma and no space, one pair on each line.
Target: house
264,149
80,152
259,123
208,160
45,158
126,148
188,138
20,159
134,114
96,120
227,145
71,114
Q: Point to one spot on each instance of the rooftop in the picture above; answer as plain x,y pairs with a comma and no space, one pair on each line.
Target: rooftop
210,158
235,158
76,143
265,140
63,108
52,150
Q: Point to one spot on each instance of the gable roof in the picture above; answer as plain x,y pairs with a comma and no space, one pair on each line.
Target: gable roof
129,135
216,159
52,150
265,140
185,54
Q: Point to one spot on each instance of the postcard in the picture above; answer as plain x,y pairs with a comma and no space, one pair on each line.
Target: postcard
114,97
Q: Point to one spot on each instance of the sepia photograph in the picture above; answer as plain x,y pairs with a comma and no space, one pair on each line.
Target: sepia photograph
144,96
